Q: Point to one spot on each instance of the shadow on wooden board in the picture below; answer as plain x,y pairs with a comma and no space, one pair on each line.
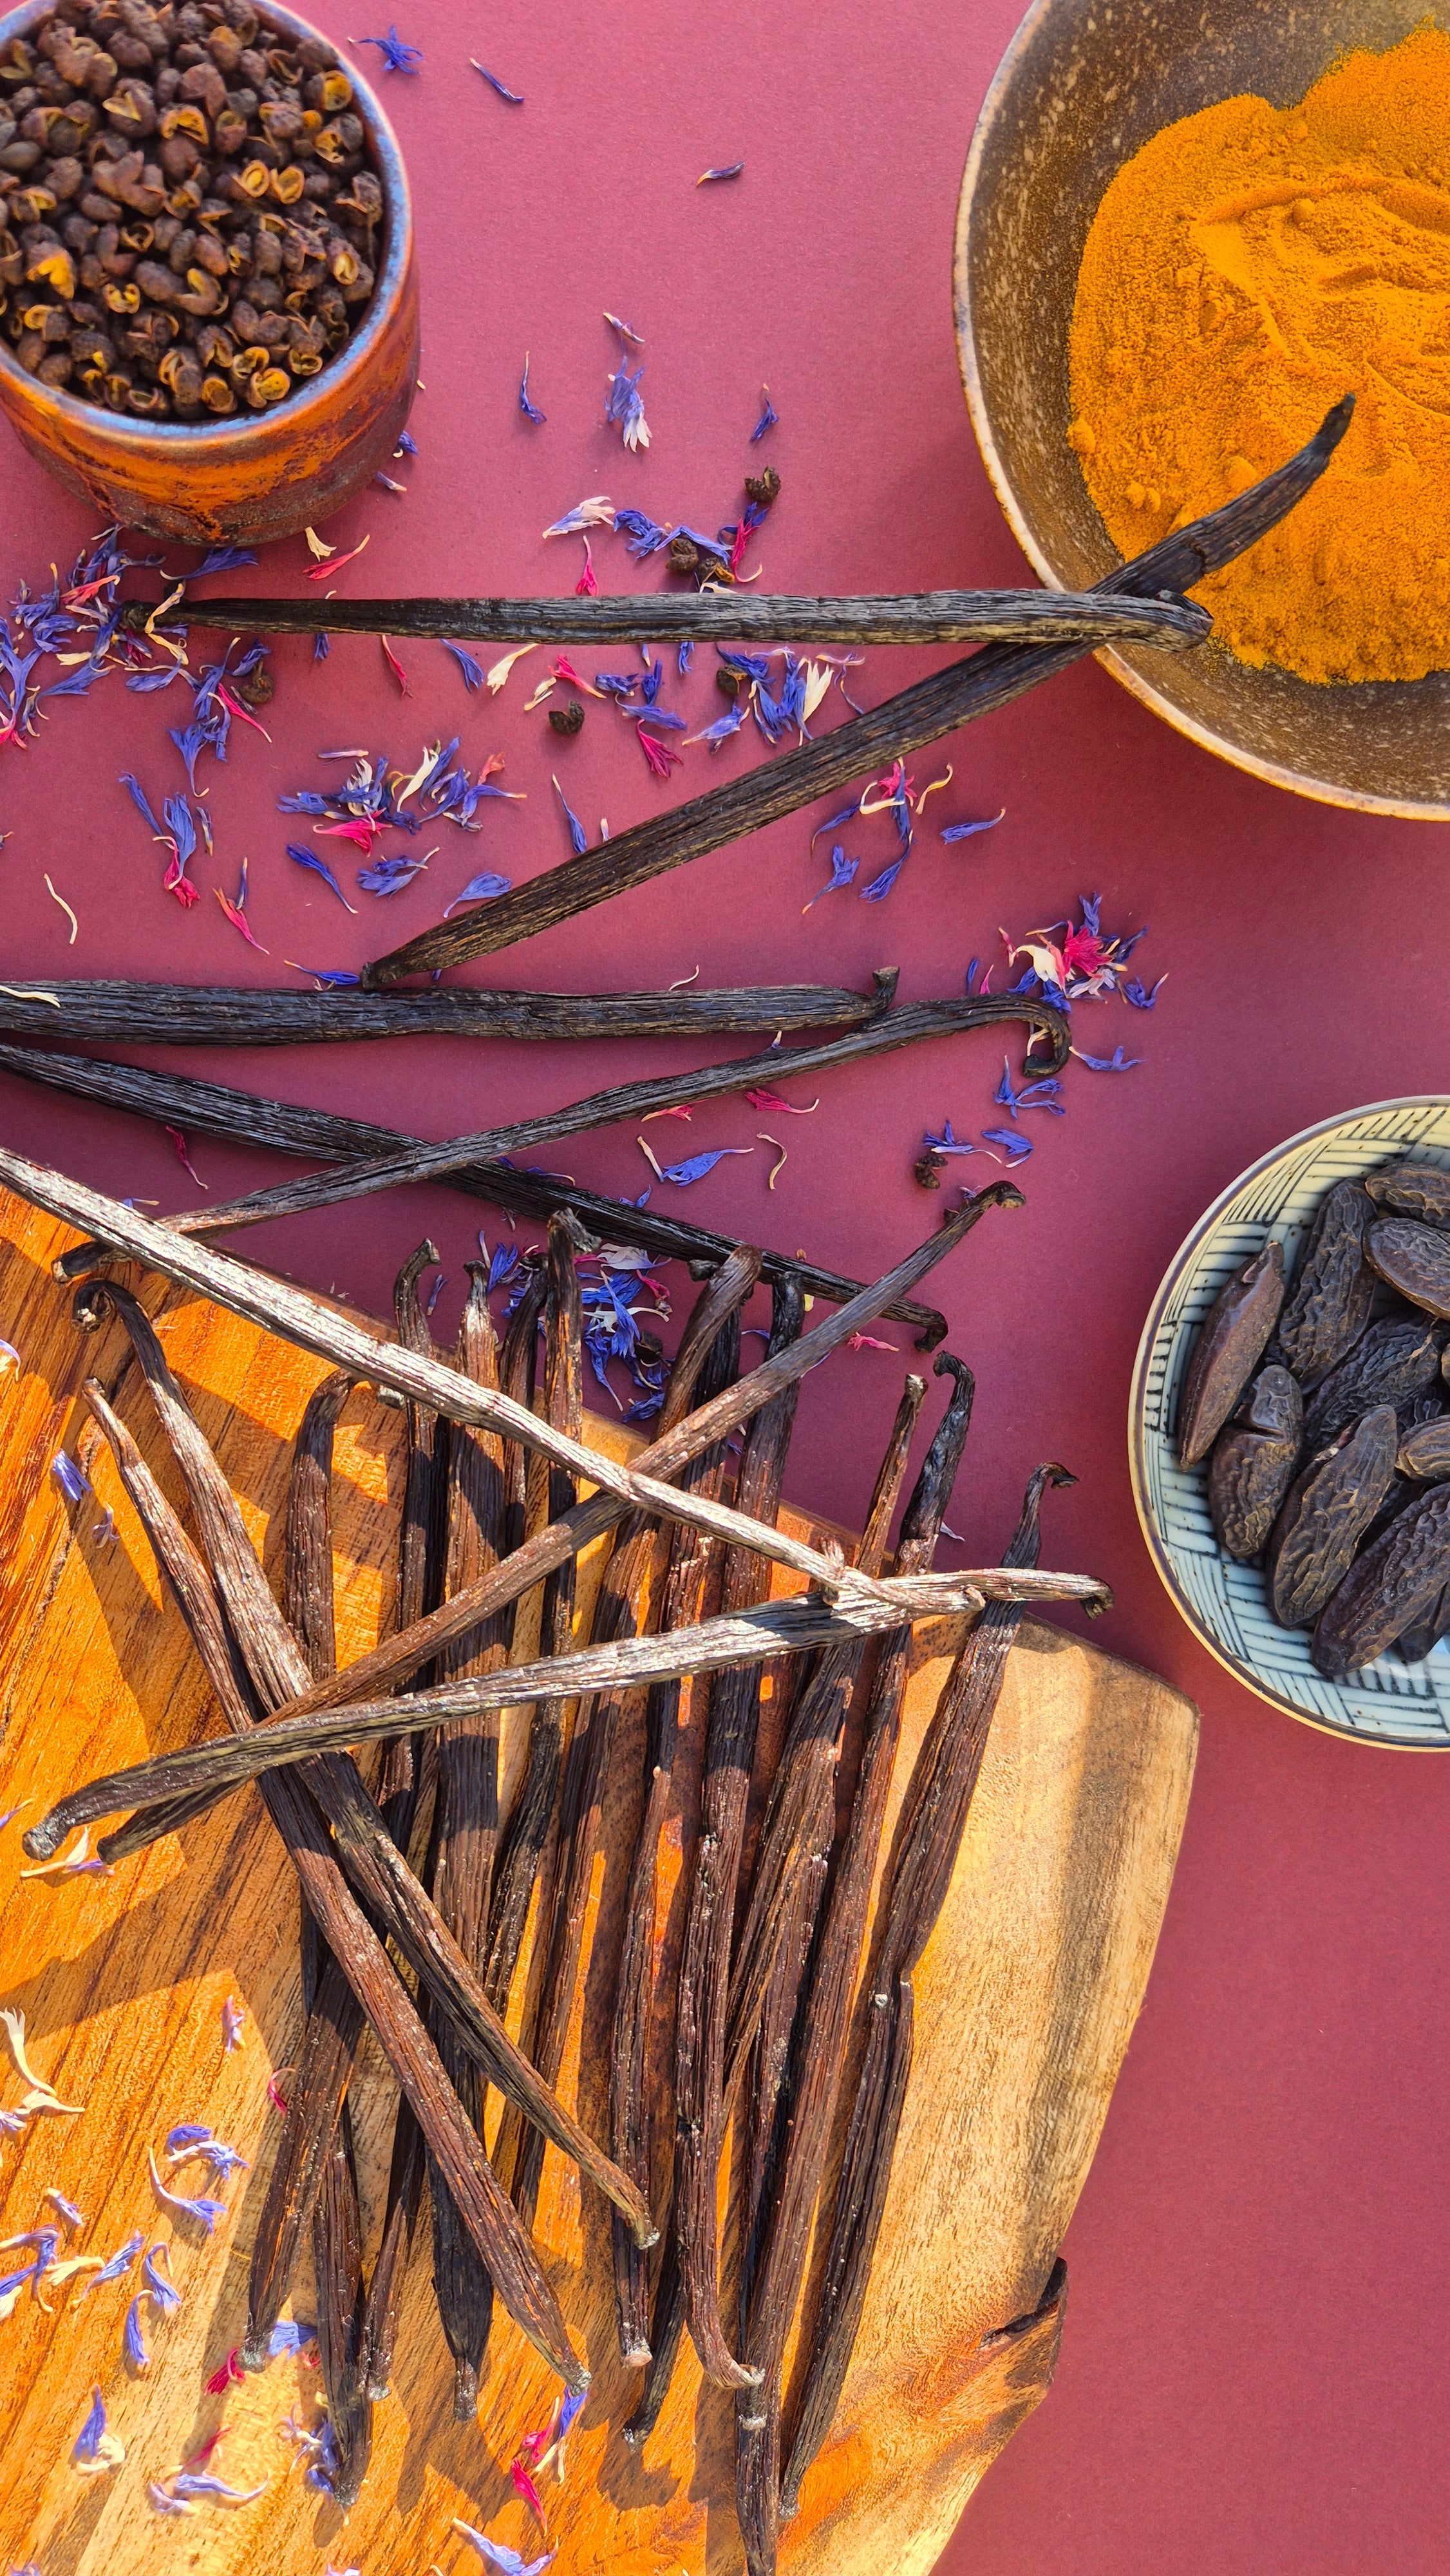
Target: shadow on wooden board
1025,2001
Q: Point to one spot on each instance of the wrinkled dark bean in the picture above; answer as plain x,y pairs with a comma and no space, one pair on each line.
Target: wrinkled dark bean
1330,1294
1412,1189
1390,1363
1325,1515
1425,1450
1230,1341
1414,1644
1391,1587
1415,1260
1253,1460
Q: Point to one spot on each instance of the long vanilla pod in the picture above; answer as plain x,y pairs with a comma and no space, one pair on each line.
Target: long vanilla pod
929,1836
466,1821
728,616
865,744
630,1100
353,1943
682,1589
308,1608
119,1012
212,1109
705,1964
744,1638
816,2073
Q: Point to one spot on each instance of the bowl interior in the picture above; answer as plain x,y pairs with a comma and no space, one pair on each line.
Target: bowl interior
1389,1702
1080,89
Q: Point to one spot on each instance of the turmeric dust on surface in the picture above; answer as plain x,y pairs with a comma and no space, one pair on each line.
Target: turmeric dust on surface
1248,267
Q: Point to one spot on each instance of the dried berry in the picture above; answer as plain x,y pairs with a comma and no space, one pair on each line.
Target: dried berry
684,556
1412,1189
1227,1350
1325,1515
1252,1462
257,688
763,489
1390,1363
1391,1587
216,244
568,719
1425,1451
1332,1289
728,682
928,1170
1413,1259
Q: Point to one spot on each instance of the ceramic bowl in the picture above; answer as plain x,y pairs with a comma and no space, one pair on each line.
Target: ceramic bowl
1080,89
252,478
1389,1702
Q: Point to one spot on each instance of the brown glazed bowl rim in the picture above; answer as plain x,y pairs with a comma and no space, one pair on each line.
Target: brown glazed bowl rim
354,360
1298,782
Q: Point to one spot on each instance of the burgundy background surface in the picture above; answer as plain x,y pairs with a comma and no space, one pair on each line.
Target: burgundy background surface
1253,2374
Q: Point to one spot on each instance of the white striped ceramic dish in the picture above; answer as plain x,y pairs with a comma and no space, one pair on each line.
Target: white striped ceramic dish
1389,1702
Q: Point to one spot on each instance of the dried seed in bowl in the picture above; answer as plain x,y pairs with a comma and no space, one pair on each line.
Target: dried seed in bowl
188,224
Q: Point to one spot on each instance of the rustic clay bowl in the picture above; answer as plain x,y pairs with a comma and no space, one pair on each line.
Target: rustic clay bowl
249,479
1389,1702
1081,87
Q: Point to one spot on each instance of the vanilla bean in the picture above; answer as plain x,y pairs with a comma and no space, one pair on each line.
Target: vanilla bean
128,1013
390,1662
816,2071
929,1836
754,1635
466,1822
341,2303
617,1608
356,1949
420,1545
370,1858
682,1589
307,1606
211,1108
407,2173
307,1582
532,1814
723,616
705,1963
798,1826
866,743
631,1100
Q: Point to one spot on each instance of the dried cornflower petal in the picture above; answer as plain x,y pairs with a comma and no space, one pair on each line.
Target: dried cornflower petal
529,409
514,97
95,2448
768,416
397,56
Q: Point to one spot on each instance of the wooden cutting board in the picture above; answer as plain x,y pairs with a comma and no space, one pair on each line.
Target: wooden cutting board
1026,1999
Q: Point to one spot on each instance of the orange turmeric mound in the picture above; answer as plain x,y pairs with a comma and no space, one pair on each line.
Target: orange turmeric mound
1246,268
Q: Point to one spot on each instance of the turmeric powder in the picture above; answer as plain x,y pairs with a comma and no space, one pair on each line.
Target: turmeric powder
1245,269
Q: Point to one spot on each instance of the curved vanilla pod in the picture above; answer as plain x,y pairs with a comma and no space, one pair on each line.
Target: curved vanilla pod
373,1984
929,1834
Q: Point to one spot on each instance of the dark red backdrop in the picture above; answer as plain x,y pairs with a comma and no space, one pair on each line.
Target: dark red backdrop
1255,2368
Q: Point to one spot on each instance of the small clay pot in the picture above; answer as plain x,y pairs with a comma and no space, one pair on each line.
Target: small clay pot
249,479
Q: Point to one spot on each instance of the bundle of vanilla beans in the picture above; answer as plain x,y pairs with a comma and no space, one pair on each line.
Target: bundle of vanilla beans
417,1891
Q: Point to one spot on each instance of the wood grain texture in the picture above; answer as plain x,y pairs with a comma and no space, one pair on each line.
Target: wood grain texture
1025,2002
